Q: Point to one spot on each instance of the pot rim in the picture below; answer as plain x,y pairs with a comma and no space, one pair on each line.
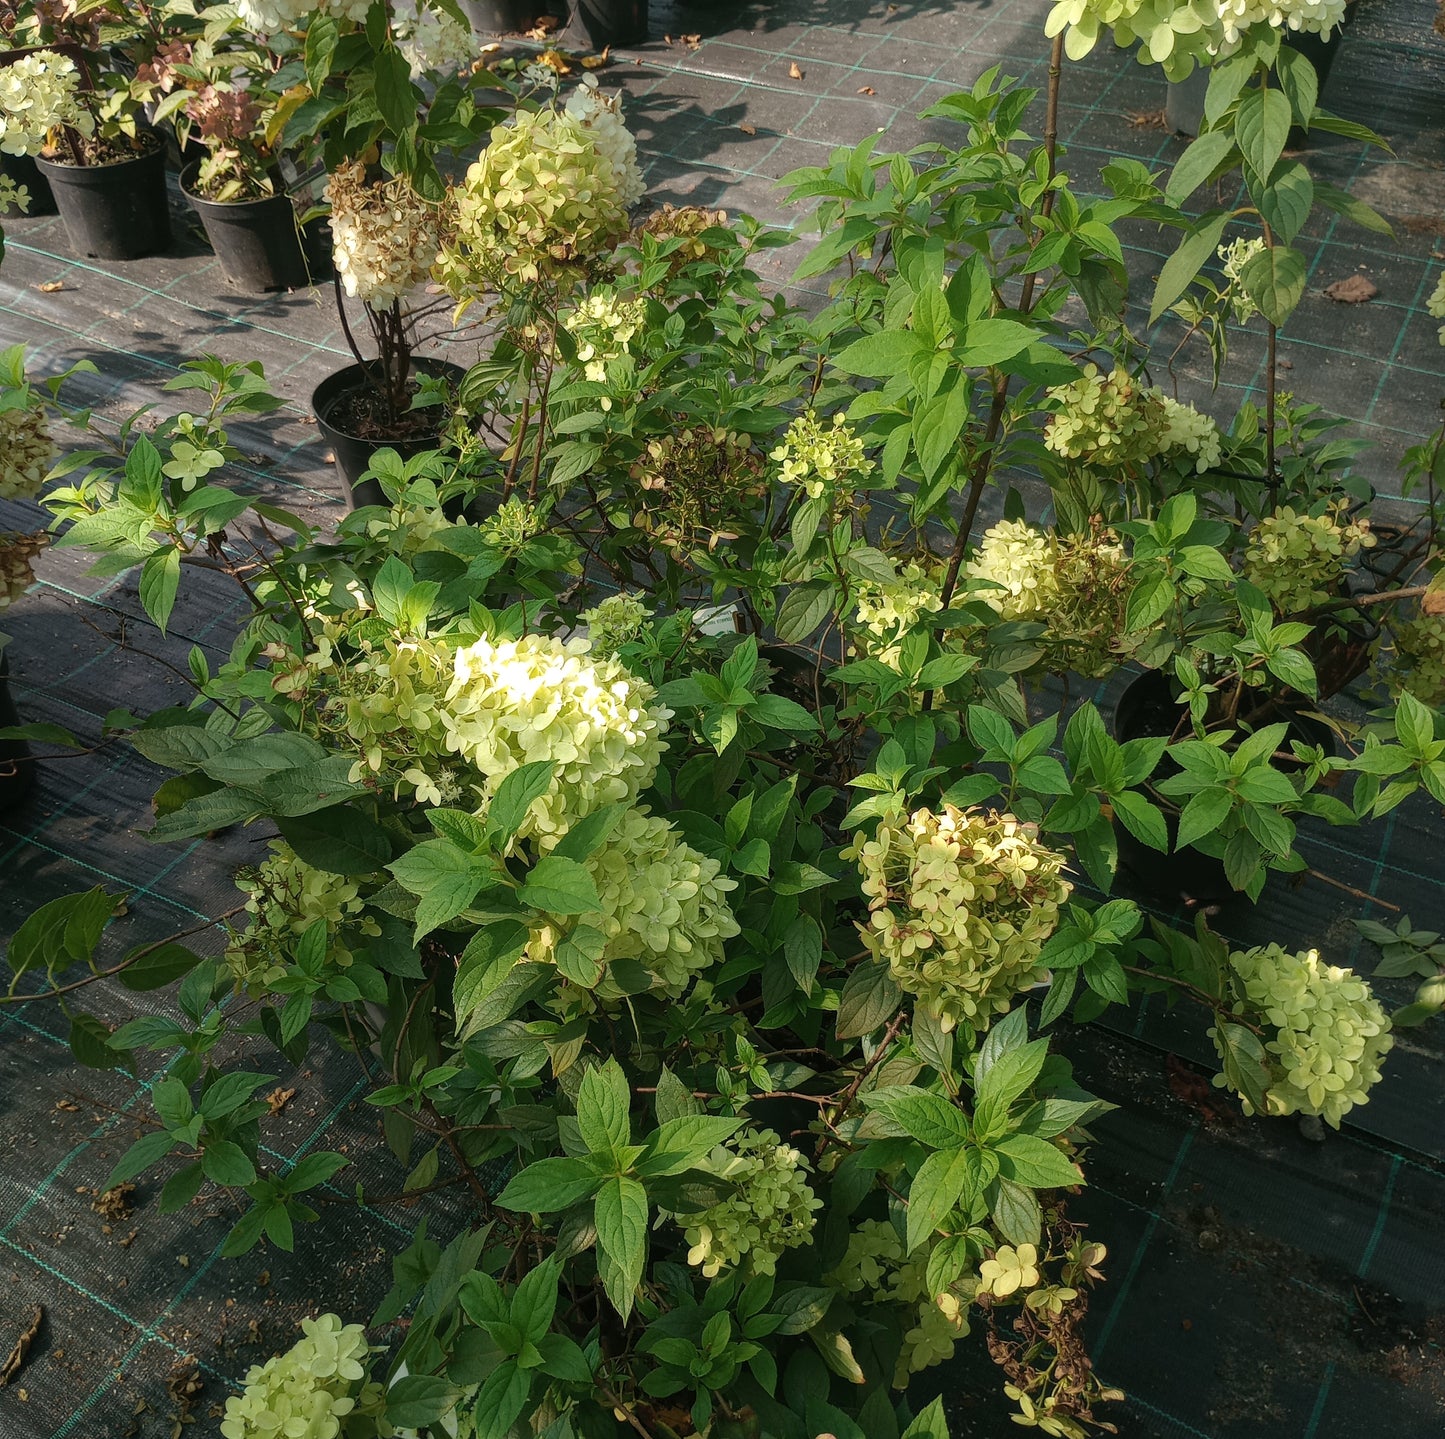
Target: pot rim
157,146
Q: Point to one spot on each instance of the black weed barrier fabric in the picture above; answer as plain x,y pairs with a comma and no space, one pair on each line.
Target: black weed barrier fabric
1260,1283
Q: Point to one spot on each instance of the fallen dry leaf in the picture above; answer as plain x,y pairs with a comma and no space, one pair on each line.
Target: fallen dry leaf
556,60
688,42
278,1099
866,90
746,128
11,1367
596,62
50,287
1148,119
114,1204
793,71
1433,602
68,1106
1352,290
545,25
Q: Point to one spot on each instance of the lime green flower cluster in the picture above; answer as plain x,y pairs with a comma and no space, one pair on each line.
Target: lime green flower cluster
512,702
1178,36
1234,257
26,451
1186,429
1330,1033
770,1210
823,459
1077,586
961,904
687,224
1436,303
613,622
1420,651
1017,562
513,525
285,897
602,325
1109,422
664,905
306,1392
875,1269
1010,1270
888,611
1299,559
541,202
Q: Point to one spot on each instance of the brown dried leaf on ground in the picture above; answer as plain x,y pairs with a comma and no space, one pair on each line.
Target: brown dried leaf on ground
793,72
1148,119
51,287
866,90
114,1204
16,1358
278,1099
1352,290
688,42
545,25
596,62
746,128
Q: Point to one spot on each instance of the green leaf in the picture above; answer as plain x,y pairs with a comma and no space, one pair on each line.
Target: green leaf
880,356
869,1000
515,796
61,932
501,1400
1245,1069
992,342
1013,1073
1035,1163
1286,201
1016,1212
535,1301
1300,83
1197,246
779,712
90,1043
604,1102
685,1141
803,951
416,1400
937,424
941,1182
339,840
1345,204
486,964
802,1306
160,577
991,731
1145,821
1274,280
929,1118
560,886
1293,667
1204,813
930,1423
395,95
1211,151
181,1188
139,1157
806,609
1261,124
225,1162
444,879
549,1185
621,1219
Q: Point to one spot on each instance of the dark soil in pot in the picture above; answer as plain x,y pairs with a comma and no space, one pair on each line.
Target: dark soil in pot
1147,708
23,170
258,242
17,769
117,211
351,414
600,23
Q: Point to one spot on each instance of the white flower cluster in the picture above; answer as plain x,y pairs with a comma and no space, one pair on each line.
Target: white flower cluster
602,325
266,17
888,610
613,621
1435,305
307,1391
39,93
874,1269
663,905
17,564
1018,562
432,41
1317,17
1234,257
385,237
960,906
538,698
26,450
1330,1032
821,458
601,116
770,1210
13,197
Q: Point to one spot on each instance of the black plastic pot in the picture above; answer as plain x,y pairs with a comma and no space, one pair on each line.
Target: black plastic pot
1147,708
24,171
116,211
258,242
503,17
17,771
600,23
352,453
1184,104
